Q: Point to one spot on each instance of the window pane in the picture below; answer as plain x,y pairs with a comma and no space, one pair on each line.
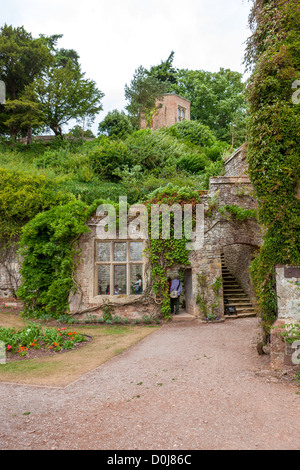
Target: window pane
103,252
104,280
119,251
136,251
136,280
120,279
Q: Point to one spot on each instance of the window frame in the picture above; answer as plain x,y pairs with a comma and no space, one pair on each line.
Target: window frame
128,263
181,113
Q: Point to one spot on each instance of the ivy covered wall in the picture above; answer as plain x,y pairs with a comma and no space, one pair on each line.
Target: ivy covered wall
273,55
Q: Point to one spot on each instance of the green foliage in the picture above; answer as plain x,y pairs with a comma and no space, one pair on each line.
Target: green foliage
142,93
50,255
109,156
192,132
167,253
33,336
217,100
115,124
273,51
291,333
65,94
239,213
22,58
22,197
193,163
45,86
151,149
165,72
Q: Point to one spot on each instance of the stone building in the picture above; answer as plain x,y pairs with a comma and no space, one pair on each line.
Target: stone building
173,108
110,267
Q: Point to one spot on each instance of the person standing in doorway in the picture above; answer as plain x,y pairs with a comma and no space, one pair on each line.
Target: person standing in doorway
175,292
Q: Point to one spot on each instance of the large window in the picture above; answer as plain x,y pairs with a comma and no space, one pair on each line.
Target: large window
119,267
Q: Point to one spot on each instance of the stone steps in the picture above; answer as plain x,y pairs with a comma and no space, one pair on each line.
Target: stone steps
182,317
235,295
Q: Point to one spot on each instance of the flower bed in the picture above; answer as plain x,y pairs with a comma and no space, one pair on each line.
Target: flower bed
21,343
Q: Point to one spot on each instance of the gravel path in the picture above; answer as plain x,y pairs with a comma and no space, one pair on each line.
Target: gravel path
186,386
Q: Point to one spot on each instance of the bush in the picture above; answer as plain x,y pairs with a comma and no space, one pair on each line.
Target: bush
193,163
108,157
192,132
115,124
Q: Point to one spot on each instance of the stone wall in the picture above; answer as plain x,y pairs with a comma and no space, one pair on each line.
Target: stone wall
288,292
10,278
236,164
288,312
222,231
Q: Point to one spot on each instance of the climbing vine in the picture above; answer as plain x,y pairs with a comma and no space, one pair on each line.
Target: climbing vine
273,52
165,254
237,212
49,248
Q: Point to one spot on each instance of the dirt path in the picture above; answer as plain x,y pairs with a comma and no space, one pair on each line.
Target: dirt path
186,386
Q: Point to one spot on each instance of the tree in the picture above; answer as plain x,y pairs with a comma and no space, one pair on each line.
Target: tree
217,98
24,116
165,72
115,124
65,94
78,132
22,59
143,94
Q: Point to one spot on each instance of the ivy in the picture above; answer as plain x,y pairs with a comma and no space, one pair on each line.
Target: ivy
50,255
239,213
273,154
165,254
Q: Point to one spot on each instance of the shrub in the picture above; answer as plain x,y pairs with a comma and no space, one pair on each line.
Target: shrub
108,157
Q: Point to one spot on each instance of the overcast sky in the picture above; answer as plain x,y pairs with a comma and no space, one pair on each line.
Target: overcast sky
114,37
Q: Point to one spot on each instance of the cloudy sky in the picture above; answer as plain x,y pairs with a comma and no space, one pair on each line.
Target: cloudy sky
115,37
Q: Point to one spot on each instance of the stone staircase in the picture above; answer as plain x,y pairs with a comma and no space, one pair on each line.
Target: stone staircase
235,295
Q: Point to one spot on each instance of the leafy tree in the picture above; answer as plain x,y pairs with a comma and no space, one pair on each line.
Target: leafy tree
65,94
165,72
78,132
115,124
142,94
217,99
24,116
22,59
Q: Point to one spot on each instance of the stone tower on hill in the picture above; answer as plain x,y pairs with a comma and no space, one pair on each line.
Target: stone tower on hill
173,108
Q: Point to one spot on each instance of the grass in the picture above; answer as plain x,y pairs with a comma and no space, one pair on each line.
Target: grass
63,369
